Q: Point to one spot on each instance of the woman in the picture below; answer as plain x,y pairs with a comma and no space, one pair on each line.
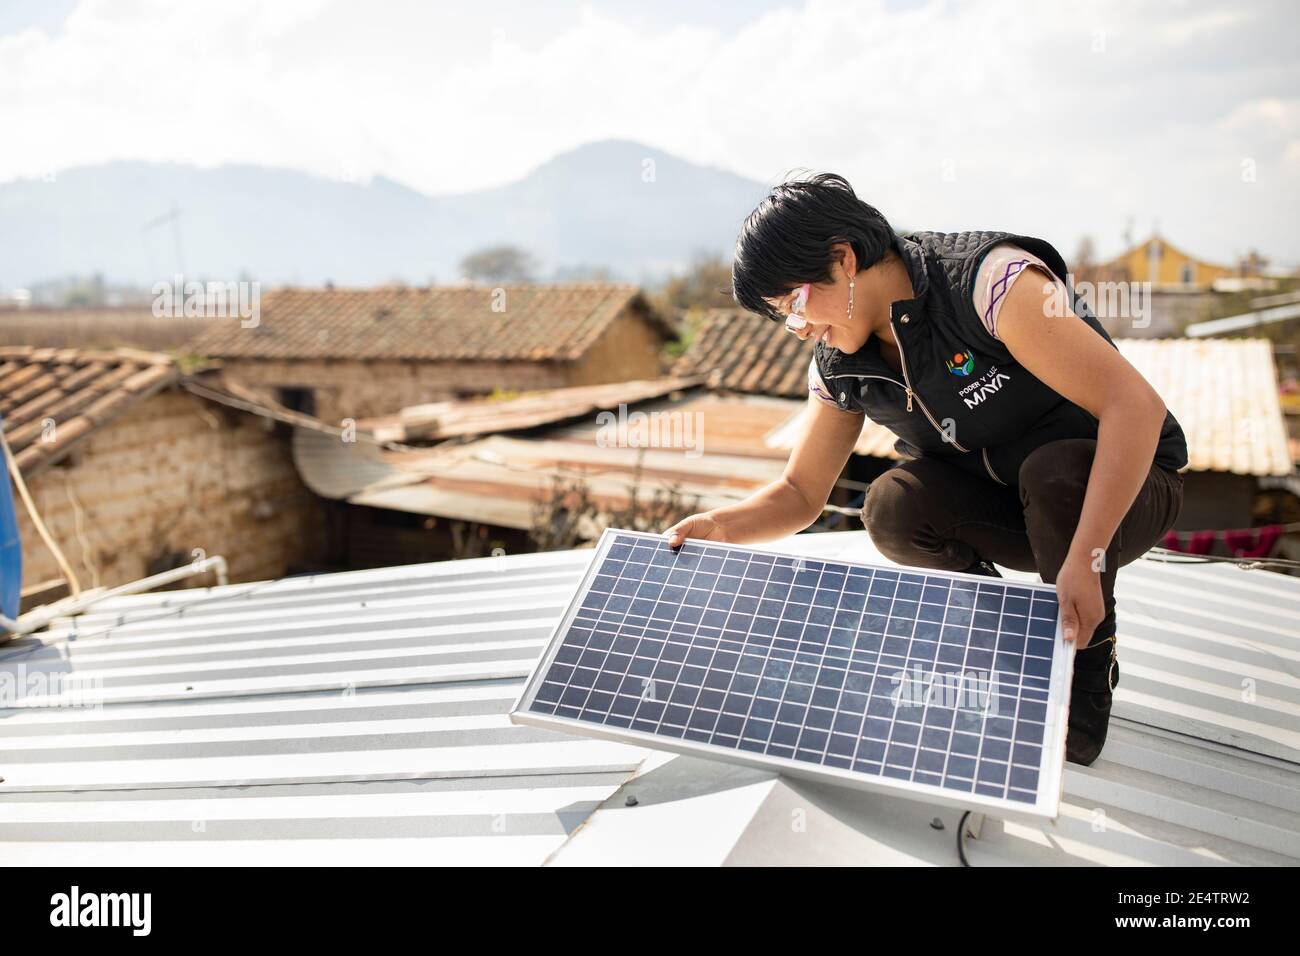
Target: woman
1030,442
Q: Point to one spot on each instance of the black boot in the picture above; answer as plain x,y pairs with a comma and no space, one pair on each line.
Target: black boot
1096,673
985,568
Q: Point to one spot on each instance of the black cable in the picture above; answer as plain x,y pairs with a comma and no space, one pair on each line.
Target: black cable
961,839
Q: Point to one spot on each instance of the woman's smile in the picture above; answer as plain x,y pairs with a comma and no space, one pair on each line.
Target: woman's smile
811,330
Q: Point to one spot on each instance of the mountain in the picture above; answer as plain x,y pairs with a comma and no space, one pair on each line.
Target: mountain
617,205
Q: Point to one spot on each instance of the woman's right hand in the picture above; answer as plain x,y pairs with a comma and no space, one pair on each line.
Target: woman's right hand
701,526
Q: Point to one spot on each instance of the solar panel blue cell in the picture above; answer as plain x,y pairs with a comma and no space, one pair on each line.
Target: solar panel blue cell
946,686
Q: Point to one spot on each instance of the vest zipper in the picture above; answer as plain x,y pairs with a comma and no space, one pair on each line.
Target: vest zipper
883,378
902,360
989,466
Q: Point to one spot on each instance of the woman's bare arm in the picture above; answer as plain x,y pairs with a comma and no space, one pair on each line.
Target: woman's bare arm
1058,347
794,501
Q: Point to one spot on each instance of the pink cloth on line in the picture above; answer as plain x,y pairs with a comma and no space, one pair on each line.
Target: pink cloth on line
1198,542
1253,542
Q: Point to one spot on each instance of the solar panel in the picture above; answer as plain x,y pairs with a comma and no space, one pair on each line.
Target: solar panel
947,687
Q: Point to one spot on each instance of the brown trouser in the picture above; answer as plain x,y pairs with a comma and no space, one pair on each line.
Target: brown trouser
931,514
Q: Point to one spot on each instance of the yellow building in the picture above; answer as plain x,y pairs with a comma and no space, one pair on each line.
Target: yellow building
1166,267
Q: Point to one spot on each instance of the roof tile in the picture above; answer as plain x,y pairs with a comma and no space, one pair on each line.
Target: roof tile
77,390
743,352
520,322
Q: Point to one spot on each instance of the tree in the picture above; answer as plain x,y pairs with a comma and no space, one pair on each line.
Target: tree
503,263
706,284
584,273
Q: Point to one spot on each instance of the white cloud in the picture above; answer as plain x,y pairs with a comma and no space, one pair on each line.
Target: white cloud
1052,119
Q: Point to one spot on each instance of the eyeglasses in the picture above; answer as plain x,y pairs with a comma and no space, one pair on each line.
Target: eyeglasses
799,303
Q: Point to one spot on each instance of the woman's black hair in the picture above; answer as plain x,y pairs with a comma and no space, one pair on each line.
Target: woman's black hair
786,241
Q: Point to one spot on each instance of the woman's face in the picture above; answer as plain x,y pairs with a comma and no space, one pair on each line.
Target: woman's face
820,311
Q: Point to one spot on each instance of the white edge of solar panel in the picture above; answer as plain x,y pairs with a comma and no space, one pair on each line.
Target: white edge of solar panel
1053,760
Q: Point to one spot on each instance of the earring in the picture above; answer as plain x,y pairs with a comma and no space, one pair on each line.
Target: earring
850,313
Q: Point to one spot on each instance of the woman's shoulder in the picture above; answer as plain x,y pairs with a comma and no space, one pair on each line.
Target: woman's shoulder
817,386
1001,266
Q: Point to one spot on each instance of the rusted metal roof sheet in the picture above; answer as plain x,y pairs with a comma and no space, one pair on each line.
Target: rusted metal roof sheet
708,447
488,416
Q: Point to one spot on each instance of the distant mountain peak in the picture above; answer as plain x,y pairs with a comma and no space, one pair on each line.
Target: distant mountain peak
591,207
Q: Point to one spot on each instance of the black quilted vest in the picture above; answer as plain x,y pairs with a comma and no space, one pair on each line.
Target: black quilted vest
961,395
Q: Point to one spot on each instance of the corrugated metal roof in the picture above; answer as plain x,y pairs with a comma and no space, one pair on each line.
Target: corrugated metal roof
1247,321
710,448
356,717
361,717
1224,394
1193,773
874,440
456,418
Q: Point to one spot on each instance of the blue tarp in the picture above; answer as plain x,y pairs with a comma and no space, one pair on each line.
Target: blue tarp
11,551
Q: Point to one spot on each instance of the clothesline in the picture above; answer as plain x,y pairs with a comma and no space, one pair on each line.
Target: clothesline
1241,542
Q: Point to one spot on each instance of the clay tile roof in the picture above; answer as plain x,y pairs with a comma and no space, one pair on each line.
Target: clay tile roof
743,352
52,398
521,322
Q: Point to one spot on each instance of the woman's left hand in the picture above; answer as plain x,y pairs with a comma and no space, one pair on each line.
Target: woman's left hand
1078,591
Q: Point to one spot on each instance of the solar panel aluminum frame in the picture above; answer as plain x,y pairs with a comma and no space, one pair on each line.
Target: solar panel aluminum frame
1050,769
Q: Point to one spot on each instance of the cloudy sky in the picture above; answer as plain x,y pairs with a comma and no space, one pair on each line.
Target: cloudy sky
1056,119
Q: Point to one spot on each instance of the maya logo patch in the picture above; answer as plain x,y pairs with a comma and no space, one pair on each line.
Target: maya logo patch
988,384
963,363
